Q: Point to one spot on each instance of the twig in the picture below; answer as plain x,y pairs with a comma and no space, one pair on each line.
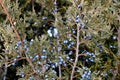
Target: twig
16,32
10,62
118,64
60,72
119,42
33,10
10,19
5,72
118,39
56,20
5,69
77,51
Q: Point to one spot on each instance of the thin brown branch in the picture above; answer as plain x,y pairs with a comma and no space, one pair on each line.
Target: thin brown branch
16,32
77,55
118,64
33,10
117,70
5,69
30,63
119,42
10,62
60,75
10,19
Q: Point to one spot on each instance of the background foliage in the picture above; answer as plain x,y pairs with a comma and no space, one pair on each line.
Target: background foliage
48,30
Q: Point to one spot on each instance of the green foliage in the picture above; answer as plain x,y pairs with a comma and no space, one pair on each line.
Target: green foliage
53,57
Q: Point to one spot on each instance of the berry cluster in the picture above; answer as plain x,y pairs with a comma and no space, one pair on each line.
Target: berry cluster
90,57
57,39
86,75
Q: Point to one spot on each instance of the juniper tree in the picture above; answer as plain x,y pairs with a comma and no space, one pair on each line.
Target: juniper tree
59,39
